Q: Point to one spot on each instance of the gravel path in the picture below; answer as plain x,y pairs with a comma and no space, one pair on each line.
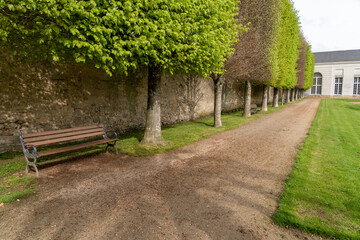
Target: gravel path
223,187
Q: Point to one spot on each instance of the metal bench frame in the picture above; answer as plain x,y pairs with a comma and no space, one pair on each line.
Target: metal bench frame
31,152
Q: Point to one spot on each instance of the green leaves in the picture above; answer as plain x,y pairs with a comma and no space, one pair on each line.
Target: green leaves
309,69
286,47
190,36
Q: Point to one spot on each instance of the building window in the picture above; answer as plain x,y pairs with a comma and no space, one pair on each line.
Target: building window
356,86
316,88
338,85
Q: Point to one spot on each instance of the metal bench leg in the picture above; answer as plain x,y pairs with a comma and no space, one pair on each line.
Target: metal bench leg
28,155
36,170
27,169
117,153
112,145
32,164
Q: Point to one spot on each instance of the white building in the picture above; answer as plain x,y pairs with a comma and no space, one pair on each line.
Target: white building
336,74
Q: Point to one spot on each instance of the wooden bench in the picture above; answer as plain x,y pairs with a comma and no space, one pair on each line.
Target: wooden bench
254,109
31,141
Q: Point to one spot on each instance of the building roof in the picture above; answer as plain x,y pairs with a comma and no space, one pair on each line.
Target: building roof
337,56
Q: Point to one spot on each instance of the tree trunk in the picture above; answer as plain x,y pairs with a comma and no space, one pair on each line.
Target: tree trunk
282,97
218,86
296,94
276,98
287,96
247,108
293,94
153,115
264,107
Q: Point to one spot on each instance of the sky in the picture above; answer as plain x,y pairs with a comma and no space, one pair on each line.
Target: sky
330,25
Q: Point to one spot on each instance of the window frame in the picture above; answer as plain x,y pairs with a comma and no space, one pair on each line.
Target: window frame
356,86
338,88
316,89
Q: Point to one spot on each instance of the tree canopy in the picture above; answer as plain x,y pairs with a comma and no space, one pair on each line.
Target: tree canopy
174,35
287,42
310,68
252,52
301,63
268,53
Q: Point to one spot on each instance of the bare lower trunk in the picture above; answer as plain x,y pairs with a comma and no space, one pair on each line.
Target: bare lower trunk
264,106
282,97
292,94
218,86
153,115
247,107
296,94
287,96
276,98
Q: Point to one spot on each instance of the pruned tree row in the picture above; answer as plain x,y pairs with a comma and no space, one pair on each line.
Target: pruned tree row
254,41
273,52
165,37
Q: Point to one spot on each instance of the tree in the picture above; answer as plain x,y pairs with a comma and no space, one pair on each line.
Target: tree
218,80
287,47
252,61
163,36
301,65
309,68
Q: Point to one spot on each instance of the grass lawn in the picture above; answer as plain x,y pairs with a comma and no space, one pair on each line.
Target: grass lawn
182,134
14,186
179,134
322,195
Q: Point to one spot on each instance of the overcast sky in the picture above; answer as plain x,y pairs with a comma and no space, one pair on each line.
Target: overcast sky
330,24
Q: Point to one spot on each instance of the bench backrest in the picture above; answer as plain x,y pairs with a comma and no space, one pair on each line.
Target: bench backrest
63,135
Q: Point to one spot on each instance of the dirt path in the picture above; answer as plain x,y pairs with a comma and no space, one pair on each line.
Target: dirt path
223,187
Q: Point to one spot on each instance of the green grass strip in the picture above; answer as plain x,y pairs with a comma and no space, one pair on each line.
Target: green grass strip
185,133
15,187
180,134
322,195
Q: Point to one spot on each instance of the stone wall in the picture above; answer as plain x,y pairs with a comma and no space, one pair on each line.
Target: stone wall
46,96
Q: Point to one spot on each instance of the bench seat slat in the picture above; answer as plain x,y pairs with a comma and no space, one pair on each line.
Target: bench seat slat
75,147
38,134
58,140
54,136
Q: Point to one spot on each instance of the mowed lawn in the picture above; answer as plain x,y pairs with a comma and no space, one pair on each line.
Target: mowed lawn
322,195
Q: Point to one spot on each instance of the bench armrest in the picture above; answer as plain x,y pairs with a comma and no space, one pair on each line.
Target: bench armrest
34,152
114,133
